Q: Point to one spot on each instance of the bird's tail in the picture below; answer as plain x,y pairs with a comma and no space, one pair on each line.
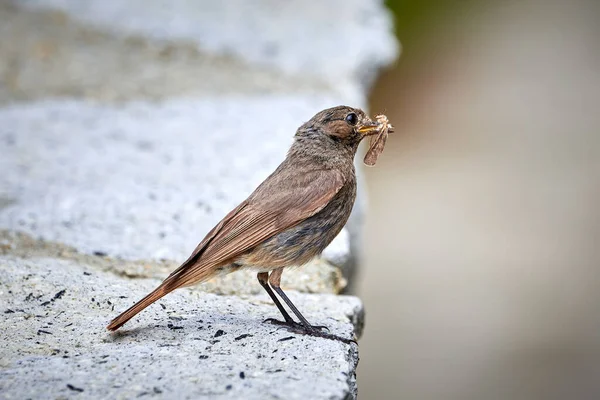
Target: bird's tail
188,274
125,316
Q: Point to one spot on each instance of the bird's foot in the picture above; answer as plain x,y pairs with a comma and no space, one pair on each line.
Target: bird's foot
311,330
295,326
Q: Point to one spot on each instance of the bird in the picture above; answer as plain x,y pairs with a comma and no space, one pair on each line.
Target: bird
288,220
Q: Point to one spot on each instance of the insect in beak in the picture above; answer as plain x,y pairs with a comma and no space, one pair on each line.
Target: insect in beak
378,142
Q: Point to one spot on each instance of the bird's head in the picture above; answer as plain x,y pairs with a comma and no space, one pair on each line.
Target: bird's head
342,124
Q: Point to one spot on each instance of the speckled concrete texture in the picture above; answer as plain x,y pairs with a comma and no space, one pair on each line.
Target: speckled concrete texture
318,276
188,345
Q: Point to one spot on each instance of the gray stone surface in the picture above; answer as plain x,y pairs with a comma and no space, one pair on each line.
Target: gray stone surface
127,130
317,277
64,57
343,41
190,344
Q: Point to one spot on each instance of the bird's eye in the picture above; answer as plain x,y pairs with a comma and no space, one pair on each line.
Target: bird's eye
351,119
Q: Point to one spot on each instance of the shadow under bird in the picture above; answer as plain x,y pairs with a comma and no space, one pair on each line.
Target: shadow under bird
289,219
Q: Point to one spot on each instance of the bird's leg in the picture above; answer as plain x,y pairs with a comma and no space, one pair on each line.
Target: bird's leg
275,280
263,279
304,327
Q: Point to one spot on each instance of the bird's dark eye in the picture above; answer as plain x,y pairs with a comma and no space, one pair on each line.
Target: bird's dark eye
351,119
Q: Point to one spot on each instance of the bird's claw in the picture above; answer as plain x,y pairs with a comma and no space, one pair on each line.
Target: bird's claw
320,328
312,330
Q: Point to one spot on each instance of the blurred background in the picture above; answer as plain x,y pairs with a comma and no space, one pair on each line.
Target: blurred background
481,271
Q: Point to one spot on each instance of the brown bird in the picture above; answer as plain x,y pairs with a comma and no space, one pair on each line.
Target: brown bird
289,219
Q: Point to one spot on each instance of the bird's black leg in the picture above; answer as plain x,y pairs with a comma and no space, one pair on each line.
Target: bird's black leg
304,327
291,305
263,279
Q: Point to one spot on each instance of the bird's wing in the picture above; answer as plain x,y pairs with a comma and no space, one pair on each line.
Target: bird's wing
275,206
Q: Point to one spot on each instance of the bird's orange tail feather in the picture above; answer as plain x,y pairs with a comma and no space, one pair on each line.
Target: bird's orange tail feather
156,294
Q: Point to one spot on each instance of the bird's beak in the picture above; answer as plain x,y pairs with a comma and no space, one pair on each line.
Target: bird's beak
368,128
